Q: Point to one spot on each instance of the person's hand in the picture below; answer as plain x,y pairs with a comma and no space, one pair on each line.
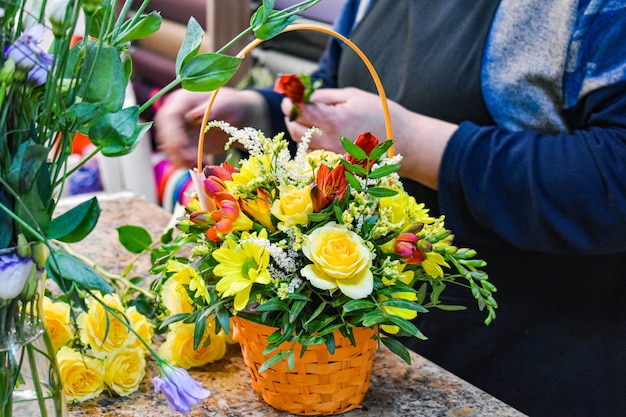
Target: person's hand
177,123
337,112
348,112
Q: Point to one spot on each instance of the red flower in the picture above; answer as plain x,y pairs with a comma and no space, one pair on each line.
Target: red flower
291,86
328,185
406,246
367,142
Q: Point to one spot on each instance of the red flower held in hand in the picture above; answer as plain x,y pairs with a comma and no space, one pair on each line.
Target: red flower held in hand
328,185
291,86
298,88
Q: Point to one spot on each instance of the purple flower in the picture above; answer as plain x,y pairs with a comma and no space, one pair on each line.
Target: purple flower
14,272
180,389
29,57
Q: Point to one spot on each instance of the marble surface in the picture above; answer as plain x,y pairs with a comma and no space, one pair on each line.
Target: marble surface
396,388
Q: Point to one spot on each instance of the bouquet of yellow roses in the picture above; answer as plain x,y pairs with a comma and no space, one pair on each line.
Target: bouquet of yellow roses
312,244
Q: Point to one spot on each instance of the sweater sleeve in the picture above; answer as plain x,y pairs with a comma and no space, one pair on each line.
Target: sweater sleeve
561,193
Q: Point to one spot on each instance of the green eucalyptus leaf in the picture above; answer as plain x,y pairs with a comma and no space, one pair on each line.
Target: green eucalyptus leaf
190,46
208,72
75,224
135,239
144,27
61,264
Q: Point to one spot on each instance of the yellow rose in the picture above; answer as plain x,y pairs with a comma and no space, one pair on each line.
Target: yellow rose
124,370
293,206
340,260
173,300
142,326
103,332
58,321
178,347
82,376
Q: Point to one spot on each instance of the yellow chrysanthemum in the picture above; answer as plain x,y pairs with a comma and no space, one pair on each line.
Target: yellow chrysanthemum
249,173
187,276
240,266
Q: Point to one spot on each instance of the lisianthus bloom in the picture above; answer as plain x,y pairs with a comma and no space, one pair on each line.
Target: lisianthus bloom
293,206
82,376
29,57
340,260
57,316
178,348
124,370
367,142
180,389
14,272
328,185
228,217
240,266
101,330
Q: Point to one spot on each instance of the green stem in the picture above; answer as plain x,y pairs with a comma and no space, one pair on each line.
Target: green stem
36,382
78,166
25,225
160,94
128,284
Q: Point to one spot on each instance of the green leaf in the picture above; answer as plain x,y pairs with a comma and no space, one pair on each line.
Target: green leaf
75,224
262,14
380,149
353,149
356,169
208,72
354,305
273,305
191,44
104,74
296,309
445,307
381,192
397,348
353,181
118,133
25,166
144,27
274,360
406,326
135,239
384,170
66,266
274,25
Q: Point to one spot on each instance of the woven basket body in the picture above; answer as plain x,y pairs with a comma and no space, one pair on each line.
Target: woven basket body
320,383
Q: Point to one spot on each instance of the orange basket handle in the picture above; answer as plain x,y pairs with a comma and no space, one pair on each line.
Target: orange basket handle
301,26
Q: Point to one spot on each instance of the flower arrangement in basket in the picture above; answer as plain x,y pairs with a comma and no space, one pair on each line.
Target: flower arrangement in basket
308,255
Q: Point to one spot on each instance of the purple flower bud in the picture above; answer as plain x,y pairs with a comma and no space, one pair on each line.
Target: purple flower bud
14,272
180,389
29,57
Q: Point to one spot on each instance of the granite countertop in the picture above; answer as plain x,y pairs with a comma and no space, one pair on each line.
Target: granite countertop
396,388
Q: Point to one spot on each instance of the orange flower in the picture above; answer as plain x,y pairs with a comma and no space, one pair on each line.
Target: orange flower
259,209
406,246
228,217
328,185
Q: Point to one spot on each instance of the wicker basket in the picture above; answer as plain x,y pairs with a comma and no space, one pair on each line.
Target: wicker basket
320,383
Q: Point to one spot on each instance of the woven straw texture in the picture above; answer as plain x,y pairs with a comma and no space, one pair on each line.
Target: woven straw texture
320,383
